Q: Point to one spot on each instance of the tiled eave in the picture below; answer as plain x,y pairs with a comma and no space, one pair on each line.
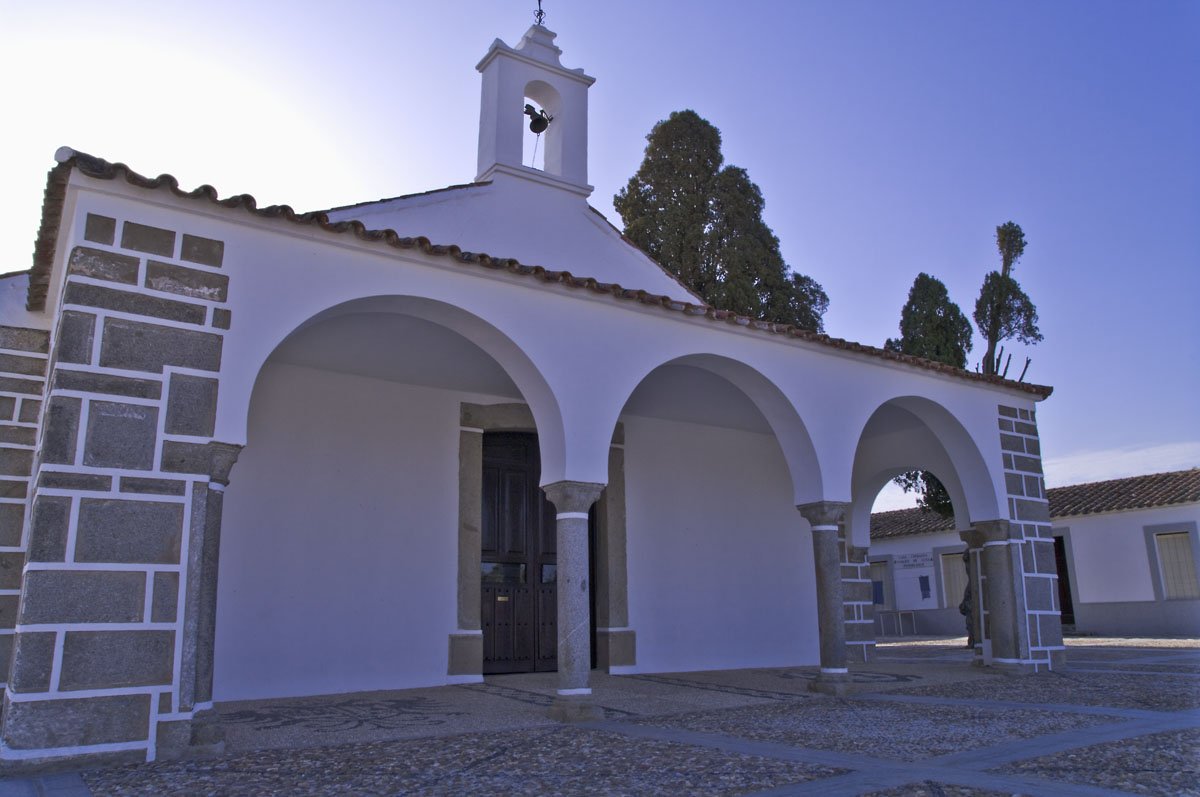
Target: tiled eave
97,168
1117,495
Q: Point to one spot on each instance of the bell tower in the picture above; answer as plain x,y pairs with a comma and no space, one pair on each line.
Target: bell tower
514,76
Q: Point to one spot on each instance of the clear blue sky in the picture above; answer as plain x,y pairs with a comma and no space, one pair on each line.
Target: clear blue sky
888,139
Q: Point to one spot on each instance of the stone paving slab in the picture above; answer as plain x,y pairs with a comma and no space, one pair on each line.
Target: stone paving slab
1164,764
543,761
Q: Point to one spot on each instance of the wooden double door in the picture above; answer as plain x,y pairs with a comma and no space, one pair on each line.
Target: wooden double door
518,564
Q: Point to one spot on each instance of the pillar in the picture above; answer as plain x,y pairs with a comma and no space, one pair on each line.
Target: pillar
203,734
824,517
572,501
974,564
1005,639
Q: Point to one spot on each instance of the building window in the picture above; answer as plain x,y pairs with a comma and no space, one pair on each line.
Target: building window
878,592
1177,565
954,579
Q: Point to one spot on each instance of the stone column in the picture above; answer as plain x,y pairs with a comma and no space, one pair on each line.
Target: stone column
1006,639
824,517
974,565
202,734
574,700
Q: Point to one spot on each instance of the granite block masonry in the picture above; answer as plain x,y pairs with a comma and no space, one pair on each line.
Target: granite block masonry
107,439
1012,561
24,359
858,606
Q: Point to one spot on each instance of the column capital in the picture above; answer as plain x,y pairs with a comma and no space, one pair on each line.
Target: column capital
824,513
570,496
221,458
985,531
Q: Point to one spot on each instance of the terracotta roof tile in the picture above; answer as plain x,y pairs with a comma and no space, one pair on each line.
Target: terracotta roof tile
100,169
906,522
1137,492
1077,500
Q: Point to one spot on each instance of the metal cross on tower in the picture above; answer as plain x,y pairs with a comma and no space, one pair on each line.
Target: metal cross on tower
539,16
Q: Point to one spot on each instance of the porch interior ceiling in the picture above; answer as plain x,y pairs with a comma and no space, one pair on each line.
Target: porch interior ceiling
396,348
889,419
692,395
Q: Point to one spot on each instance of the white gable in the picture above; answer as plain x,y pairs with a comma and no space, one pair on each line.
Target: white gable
537,224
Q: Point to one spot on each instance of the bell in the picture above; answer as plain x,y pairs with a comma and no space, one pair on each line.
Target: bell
538,120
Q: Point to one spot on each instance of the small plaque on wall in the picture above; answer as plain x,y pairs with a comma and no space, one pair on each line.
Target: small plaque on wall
912,561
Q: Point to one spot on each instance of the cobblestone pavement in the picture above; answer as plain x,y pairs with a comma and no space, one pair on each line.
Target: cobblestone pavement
1124,718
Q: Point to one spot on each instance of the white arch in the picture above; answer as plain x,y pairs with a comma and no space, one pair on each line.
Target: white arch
781,415
941,445
520,368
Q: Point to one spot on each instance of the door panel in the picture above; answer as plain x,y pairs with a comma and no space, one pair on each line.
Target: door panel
518,602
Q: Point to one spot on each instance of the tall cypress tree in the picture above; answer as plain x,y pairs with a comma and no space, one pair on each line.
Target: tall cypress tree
1003,310
702,221
932,326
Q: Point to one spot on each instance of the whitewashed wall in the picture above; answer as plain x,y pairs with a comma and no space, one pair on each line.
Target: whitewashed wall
1110,561
720,561
906,581
338,556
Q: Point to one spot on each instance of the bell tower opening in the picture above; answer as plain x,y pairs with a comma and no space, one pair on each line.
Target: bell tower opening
542,140
526,88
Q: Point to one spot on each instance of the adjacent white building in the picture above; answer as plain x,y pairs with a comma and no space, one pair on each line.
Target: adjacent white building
251,453
1127,551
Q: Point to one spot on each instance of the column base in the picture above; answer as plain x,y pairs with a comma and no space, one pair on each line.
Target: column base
184,740
575,708
828,683
466,654
616,648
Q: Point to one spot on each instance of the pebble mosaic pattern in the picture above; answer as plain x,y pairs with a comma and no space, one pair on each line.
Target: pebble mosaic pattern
735,736
895,731
560,760
929,788
1157,692
1158,764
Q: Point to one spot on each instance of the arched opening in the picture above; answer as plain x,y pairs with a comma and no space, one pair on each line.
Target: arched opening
341,556
911,573
719,574
543,151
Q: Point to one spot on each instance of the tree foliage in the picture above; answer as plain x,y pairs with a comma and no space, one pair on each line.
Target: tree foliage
932,326
933,496
702,221
1003,311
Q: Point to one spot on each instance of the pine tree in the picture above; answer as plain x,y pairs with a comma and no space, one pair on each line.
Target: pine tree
702,221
